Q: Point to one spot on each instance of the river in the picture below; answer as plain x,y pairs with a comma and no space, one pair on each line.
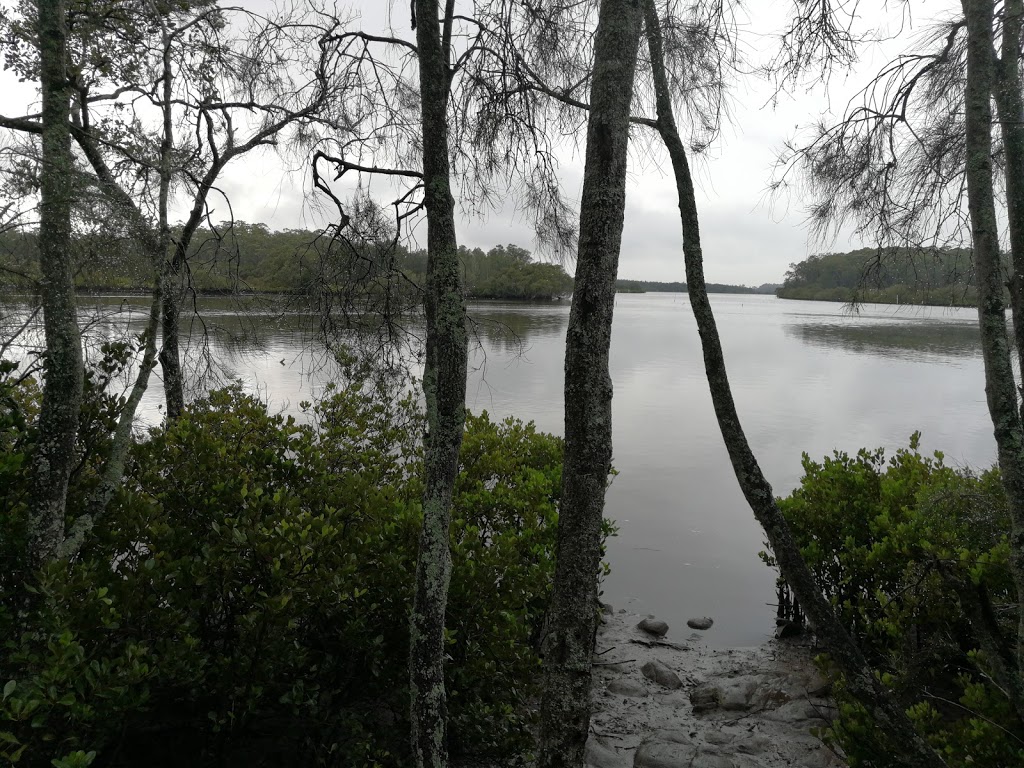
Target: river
807,377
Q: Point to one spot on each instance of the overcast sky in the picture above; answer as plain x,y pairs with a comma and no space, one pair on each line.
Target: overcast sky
748,238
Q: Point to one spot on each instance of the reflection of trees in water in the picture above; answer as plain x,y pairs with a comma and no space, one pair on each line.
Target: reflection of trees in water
903,340
220,334
511,330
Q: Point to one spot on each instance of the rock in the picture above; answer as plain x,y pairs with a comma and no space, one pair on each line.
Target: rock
606,609
663,754
769,697
704,622
626,687
704,698
601,754
735,695
661,674
654,627
796,711
754,745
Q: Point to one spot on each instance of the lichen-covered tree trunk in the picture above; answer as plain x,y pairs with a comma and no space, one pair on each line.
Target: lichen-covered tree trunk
572,617
169,278
1000,386
1009,672
444,388
54,457
908,746
1010,109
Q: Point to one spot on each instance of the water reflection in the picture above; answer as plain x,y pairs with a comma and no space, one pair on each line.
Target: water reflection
511,328
908,339
807,376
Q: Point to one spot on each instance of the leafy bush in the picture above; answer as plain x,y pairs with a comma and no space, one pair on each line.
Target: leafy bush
906,549
246,598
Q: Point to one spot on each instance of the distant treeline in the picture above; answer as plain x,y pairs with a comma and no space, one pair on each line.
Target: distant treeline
942,276
645,286
253,258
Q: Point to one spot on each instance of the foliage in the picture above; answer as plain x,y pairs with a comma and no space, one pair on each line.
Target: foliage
897,546
939,276
246,598
19,405
242,257
643,286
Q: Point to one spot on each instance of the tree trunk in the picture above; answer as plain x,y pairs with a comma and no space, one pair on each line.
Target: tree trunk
121,443
889,717
169,277
159,246
572,617
54,457
444,388
1000,386
1010,109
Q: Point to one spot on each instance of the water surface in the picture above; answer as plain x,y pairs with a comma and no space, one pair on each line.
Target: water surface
807,376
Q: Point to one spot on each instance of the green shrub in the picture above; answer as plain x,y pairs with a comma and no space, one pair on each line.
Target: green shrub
246,598
899,547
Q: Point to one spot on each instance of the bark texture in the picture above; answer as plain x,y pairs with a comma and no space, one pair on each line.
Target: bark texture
444,388
1010,109
54,457
169,275
572,617
1000,386
908,746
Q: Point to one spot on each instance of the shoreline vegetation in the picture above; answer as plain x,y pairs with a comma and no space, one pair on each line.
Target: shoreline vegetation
252,259
942,277
243,258
651,286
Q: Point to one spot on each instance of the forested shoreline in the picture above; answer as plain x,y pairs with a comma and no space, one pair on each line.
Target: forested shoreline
242,258
651,286
239,257
937,277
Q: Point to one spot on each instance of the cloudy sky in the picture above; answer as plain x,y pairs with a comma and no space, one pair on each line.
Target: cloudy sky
749,237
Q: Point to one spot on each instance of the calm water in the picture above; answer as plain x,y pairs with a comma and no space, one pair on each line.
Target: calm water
807,376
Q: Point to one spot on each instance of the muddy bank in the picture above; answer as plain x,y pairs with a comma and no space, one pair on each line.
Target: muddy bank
661,704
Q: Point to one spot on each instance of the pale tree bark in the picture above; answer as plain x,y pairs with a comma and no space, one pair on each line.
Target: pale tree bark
444,388
120,443
54,456
1000,386
908,747
572,616
152,242
158,245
